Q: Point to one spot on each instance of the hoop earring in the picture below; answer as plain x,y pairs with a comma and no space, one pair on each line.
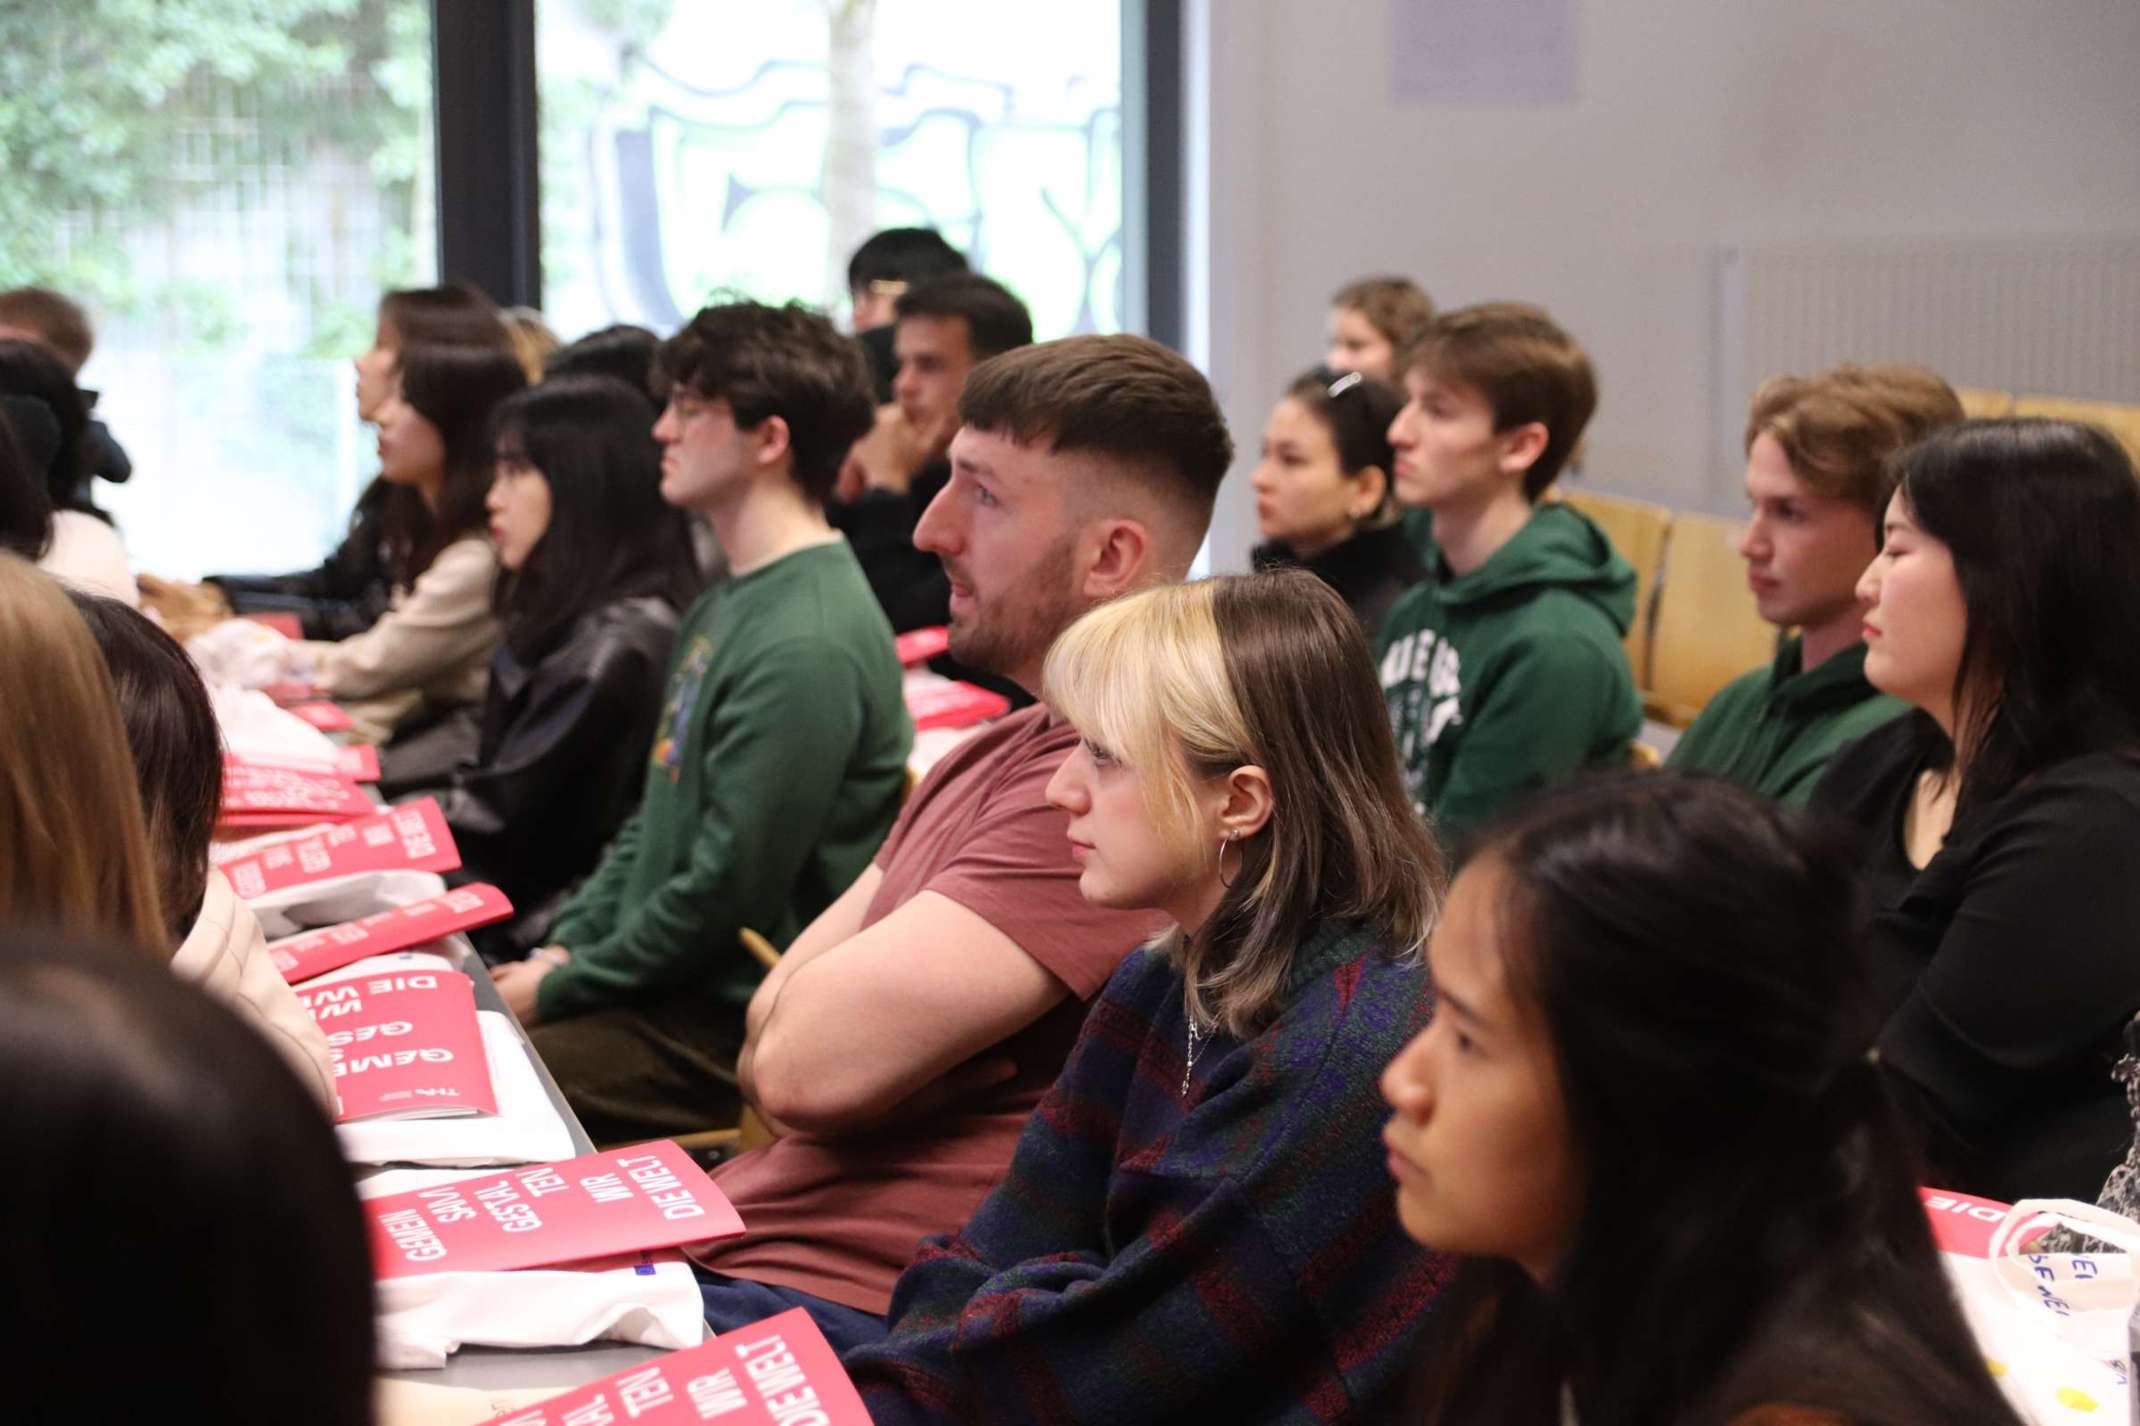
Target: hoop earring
1225,880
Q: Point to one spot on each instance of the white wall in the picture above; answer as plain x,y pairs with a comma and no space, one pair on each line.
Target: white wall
1698,126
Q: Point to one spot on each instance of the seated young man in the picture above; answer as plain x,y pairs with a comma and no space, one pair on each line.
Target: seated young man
57,323
778,757
1505,670
887,263
1816,451
906,1035
944,328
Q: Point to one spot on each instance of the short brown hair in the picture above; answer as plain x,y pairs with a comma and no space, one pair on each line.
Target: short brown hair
1839,428
1124,397
1397,307
778,361
58,320
1526,367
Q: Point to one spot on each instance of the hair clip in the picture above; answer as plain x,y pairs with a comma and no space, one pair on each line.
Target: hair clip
1344,384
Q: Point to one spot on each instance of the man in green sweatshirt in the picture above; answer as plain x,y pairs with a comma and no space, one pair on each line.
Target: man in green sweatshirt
779,757
1505,670
1816,455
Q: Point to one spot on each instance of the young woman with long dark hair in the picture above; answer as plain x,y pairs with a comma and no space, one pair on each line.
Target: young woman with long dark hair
348,591
597,570
429,653
1196,1226
2000,822
1647,1112
1323,491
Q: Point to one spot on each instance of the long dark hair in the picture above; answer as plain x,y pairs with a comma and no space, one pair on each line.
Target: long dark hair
28,370
2043,521
248,1227
624,351
1695,955
454,388
590,438
177,747
455,314
1357,411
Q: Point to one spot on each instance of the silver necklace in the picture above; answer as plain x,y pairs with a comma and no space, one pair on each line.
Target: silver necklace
1196,1044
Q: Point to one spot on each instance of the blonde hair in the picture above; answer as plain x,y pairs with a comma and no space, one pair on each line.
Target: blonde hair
531,339
1185,683
74,852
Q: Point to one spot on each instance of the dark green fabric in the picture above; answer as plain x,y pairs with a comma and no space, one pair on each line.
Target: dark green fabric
1773,729
1418,525
1511,676
775,772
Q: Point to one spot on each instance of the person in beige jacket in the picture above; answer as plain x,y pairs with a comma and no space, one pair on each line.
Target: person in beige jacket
432,648
177,756
226,955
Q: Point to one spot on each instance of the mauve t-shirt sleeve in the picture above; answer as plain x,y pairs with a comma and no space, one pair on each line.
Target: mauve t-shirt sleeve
1013,870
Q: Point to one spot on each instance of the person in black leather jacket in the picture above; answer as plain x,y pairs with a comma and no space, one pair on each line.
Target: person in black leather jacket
596,571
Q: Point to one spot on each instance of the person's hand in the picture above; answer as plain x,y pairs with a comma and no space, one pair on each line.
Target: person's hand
517,981
891,453
934,440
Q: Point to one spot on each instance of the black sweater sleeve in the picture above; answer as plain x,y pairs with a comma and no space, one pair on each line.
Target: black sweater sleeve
909,584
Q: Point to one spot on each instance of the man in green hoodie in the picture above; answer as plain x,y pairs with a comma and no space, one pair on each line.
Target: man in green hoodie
1816,456
779,757
1505,670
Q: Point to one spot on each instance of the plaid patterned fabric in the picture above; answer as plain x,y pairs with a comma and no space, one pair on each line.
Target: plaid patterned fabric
1231,1254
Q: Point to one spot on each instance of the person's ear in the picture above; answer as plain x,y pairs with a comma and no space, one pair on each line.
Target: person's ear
1119,553
1371,485
1521,447
770,442
1245,803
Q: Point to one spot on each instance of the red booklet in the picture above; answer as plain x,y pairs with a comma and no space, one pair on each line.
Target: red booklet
300,958
325,716
778,1372
256,790
1961,1224
615,1201
405,1046
951,704
412,837
282,622
918,646
359,762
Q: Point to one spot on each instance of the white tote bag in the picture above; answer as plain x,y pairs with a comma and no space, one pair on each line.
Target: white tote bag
2053,1325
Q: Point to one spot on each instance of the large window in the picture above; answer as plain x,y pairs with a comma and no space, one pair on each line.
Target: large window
693,148
228,185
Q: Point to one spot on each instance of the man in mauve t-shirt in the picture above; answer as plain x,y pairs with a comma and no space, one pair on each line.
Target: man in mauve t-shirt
910,1029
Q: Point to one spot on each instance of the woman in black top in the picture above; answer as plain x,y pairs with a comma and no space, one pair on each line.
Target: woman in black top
2001,822
596,571
1323,492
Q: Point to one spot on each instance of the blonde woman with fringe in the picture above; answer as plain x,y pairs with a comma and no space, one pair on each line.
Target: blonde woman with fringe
74,851
1197,1225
